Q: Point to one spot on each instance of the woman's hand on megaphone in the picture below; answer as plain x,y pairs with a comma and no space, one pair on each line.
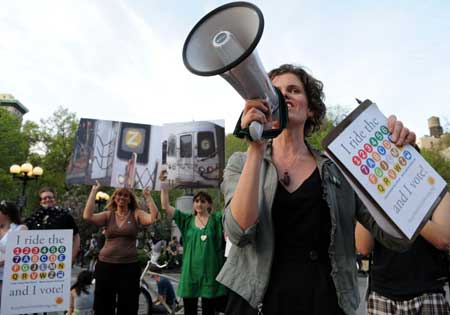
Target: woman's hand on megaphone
256,110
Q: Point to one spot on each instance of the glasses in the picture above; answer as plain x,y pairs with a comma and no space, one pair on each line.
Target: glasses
47,197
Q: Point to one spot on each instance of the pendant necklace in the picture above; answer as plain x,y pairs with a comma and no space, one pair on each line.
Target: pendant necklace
123,216
286,180
203,237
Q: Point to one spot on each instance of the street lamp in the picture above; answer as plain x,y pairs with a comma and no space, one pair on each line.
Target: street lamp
25,173
100,199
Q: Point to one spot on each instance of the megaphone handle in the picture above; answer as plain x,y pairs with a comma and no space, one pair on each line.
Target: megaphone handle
256,130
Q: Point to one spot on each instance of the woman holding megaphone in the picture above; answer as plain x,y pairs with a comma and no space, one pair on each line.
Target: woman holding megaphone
290,213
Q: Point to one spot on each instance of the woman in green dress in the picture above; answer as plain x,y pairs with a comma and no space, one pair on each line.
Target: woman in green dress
203,257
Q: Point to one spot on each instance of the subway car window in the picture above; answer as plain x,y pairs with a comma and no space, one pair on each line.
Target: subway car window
172,147
186,146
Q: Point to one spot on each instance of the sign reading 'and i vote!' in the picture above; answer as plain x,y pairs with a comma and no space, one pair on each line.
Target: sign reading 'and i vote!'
394,181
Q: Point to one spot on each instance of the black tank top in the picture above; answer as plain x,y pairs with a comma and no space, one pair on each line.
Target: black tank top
300,281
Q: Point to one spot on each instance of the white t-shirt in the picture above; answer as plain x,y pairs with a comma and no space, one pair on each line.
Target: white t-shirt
3,241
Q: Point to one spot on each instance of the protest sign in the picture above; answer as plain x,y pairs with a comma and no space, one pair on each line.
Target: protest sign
37,272
122,154
397,185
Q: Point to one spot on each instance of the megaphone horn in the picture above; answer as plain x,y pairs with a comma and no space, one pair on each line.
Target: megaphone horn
223,42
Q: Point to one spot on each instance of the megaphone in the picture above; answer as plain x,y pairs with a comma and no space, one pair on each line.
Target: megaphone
223,42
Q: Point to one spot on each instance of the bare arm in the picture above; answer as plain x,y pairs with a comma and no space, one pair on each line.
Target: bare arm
364,240
165,203
148,218
437,230
71,302
88,213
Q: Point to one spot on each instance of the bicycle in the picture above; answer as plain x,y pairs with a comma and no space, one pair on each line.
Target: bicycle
147,291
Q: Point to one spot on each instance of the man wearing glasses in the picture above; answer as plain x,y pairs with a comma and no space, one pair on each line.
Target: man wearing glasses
49,216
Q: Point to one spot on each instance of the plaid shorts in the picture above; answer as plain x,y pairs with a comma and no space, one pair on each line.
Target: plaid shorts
425,304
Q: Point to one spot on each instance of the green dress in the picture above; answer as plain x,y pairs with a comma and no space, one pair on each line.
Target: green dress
202,256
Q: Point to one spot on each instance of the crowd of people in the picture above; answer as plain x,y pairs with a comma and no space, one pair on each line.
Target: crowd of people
287,208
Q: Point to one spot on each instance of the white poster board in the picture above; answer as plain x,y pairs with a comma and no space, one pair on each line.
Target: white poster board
396,182
37,272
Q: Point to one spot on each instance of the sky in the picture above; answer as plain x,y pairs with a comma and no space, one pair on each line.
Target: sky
122,59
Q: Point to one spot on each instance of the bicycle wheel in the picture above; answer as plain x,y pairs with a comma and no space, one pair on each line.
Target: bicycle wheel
145,302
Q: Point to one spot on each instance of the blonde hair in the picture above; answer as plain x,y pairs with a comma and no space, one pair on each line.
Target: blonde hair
132,205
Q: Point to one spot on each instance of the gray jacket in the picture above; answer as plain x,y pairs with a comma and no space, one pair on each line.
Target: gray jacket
247,269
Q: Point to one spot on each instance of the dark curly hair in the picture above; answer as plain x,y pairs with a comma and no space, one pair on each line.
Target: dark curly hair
314,94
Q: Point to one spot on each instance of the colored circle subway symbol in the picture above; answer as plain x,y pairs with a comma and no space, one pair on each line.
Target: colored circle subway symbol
61,265
397,167
379,136
381,150
407,155
390,138
389,159
402,161
373,141
43,267
380,188
26,259
356,160
378,172
394,152
17,251
368,148
24,276
25,267
44,249
26,250
365,169
15,268
384,130
52,266
35,250
373,179
61,257
34,258
33,275
52,258
15,277
44,258
16,259
376,156
387,181
384,166
53,249
51,274
370,163
62,249
392,175
34,267
362,154
387,144
60,274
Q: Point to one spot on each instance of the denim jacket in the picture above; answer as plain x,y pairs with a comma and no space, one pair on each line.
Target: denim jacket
247,269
